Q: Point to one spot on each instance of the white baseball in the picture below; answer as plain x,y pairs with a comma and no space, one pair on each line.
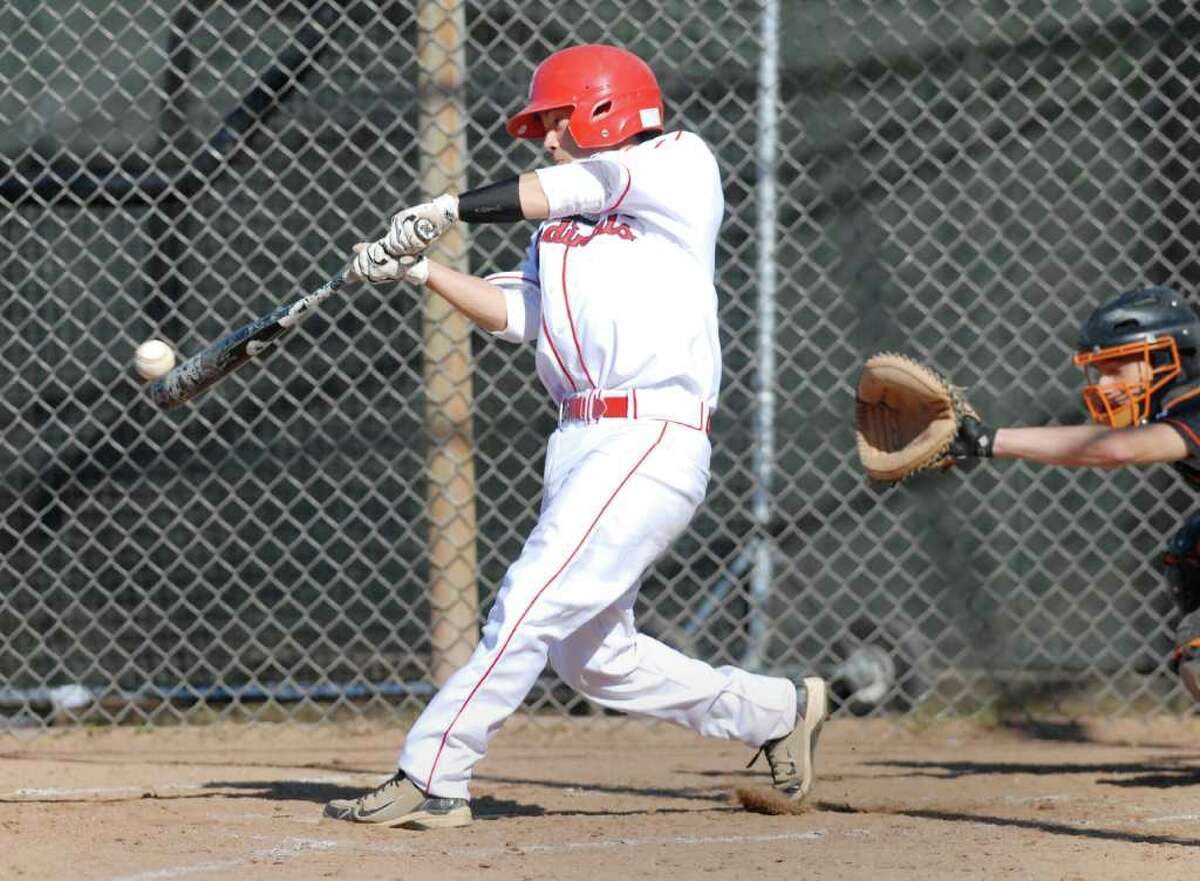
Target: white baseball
153,359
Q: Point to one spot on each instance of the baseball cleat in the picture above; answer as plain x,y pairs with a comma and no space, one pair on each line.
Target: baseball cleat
397,802
791,757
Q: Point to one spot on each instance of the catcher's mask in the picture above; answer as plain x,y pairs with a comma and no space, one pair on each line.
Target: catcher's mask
1150,327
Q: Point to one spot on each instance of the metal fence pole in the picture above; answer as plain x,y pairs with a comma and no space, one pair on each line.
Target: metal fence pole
764,420
453,591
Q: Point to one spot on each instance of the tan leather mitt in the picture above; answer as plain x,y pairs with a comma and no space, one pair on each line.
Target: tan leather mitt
907,417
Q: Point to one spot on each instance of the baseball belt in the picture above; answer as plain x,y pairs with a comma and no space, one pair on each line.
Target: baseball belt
666,405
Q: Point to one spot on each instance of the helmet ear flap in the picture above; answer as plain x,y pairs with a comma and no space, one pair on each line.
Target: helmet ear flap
1189,362
587,120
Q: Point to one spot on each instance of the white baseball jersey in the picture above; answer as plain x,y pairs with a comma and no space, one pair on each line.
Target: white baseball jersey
618,289
618,292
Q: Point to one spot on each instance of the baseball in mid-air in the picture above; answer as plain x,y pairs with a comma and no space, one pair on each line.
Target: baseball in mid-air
153,359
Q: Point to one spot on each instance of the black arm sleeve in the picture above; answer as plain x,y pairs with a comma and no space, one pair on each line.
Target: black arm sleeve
495,203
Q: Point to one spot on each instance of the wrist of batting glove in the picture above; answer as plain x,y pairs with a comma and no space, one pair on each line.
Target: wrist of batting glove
414,229
372,264
973,441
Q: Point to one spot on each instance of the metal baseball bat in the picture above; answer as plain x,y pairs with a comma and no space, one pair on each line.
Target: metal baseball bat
204,369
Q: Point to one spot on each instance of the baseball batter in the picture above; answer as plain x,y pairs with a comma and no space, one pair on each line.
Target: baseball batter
1141,353
617,291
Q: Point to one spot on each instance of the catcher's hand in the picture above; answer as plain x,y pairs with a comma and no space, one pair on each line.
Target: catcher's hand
909,418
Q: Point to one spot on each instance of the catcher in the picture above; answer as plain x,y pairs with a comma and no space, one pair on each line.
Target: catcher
1140,357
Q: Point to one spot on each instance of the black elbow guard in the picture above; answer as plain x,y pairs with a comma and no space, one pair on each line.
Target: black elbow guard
495,203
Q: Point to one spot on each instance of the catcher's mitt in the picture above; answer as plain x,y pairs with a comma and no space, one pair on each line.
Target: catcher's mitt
909,418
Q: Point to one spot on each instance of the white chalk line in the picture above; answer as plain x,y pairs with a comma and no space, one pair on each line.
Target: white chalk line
64,793
1172,818
593,844
294,847
286,849
1030,799
181,871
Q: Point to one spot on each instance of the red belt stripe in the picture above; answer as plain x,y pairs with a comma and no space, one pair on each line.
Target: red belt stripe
589,408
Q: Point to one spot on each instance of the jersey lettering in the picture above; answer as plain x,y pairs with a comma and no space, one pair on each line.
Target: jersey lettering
566,232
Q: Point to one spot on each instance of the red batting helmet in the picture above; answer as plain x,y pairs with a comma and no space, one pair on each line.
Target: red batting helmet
611,93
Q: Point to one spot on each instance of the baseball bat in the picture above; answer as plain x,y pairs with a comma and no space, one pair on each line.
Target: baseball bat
205,369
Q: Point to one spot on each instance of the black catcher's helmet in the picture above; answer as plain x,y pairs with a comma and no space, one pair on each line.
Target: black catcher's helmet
1155,326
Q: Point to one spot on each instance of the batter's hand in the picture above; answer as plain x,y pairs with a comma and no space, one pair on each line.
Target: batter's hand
372,264
412,230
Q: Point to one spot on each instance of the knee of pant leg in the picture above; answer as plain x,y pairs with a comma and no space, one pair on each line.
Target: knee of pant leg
1185,660
593,672
1189,675
569,669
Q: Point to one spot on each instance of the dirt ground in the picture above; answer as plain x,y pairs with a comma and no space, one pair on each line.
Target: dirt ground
607,799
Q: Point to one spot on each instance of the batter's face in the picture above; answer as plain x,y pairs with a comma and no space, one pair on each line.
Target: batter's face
557,140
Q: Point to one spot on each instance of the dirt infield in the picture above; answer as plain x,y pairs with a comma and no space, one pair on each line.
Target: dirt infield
598,800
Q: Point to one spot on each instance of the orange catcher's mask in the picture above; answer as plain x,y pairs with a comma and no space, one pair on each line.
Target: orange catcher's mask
1123,380
611,93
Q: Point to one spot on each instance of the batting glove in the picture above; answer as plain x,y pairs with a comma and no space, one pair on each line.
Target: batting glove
372,264
412,230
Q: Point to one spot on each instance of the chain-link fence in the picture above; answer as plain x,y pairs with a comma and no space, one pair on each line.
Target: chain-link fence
958,180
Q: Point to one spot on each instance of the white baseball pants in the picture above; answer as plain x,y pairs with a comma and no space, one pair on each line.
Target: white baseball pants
616,493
